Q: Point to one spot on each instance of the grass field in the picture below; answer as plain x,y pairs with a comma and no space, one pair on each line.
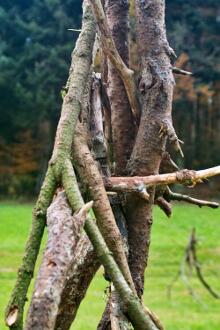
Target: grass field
169,238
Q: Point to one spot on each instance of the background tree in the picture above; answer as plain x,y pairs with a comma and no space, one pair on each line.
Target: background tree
34,59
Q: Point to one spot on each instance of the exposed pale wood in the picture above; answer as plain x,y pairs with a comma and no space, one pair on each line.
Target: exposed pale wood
186,177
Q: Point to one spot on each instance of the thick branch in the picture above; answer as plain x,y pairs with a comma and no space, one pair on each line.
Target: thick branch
156,86
139,317
123,130
14,311
186,177
111,52
63,235
78,77
79,71
90,175
79,276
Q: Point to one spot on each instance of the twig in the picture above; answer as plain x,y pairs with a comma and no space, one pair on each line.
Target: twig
171,196
75,30
180,71
190,259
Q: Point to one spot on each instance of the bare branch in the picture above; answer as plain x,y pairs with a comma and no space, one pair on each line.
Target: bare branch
170,195
186,177
190,260
138,315
180,71
108,46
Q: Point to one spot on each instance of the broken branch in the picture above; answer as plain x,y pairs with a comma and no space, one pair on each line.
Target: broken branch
186,177
180,71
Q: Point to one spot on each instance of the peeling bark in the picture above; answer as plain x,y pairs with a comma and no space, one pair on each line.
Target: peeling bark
90,175
79,276
108,47
122,121
63,235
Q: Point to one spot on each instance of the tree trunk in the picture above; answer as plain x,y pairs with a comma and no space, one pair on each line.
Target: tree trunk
156,87
121,115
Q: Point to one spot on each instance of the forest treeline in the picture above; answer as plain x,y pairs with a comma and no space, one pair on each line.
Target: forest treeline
35,50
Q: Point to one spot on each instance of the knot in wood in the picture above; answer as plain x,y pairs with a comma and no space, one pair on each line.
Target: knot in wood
186,177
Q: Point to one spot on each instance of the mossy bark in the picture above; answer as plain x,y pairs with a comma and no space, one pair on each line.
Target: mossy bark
79,71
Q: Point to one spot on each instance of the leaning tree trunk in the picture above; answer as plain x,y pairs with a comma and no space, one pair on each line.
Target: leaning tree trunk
156,87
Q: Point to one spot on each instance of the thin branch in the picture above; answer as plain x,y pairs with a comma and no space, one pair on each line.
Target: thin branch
170,195
75,30
190,260
108,46
14,310
186,177
180,71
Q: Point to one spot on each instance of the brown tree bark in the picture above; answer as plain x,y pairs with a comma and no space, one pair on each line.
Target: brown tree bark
156,87
63,235
121,115
79,276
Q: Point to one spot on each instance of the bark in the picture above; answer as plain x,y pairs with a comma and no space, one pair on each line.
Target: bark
90,175
139,316
14,310
186,177
156,87
80,68
80,274
99,143
108,47
63,235
121,115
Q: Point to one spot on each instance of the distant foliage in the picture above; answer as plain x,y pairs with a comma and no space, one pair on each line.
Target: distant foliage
35,50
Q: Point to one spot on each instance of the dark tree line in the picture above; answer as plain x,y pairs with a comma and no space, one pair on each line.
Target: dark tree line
34,57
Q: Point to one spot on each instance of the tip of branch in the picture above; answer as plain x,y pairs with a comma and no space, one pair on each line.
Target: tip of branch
180,71
84,210
75,30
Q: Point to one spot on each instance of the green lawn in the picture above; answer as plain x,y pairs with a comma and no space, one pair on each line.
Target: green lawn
169,239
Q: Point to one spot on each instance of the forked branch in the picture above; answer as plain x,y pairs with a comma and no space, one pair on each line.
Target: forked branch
171,196
108,46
